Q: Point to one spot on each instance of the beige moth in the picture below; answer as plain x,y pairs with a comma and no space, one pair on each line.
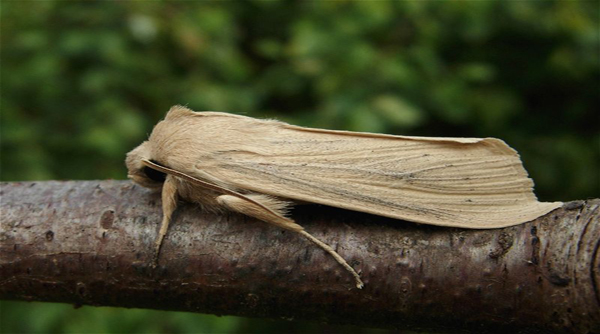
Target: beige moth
259,168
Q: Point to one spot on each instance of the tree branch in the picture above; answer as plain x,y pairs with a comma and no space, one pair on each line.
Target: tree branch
91,242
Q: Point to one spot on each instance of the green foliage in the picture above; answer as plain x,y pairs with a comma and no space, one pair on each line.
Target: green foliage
82,83
23,317
61,318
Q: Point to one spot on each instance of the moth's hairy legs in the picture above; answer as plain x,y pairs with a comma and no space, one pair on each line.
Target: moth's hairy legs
169,204
276,217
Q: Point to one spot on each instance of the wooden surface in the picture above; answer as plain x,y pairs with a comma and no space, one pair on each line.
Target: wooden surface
91,242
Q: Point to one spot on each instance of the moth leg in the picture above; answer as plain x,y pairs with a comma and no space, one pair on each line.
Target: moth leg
248,208
169,204
277,218
336,256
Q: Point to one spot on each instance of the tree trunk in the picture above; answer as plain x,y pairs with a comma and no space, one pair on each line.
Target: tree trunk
91,242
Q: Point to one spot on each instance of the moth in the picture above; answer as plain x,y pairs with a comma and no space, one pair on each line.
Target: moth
261,168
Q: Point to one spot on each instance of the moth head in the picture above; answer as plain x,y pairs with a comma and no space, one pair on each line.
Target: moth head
140,173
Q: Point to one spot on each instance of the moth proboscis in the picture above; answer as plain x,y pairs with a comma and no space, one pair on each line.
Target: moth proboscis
260,168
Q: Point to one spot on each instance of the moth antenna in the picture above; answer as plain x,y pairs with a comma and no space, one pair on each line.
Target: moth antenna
336,256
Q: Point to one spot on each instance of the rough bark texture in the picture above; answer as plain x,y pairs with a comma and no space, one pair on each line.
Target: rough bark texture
91,242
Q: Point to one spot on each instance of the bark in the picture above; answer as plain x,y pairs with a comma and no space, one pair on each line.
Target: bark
91,242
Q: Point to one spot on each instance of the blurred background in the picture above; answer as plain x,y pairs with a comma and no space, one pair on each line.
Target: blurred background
82,83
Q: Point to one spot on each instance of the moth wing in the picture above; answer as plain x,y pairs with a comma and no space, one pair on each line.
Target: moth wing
459,182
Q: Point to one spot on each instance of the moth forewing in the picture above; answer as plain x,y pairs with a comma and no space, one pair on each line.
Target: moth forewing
259,167
477,183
